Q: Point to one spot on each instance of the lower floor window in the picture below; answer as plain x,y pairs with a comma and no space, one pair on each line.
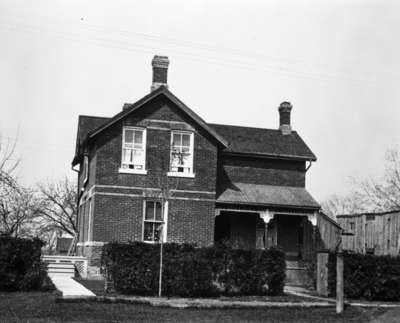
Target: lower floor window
153,222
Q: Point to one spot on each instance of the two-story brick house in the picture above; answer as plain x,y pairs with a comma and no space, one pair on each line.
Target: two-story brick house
241,185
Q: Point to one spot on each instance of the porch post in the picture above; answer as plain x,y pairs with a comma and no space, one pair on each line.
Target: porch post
267,216
313,219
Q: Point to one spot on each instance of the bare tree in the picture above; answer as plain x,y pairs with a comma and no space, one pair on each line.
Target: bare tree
18,206
19,211
8,164
370,194
342,204
58,206
382,194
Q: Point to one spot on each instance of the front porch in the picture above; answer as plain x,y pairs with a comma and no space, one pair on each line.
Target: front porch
293,231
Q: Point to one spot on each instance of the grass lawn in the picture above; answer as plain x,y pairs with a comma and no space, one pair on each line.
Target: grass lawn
42,307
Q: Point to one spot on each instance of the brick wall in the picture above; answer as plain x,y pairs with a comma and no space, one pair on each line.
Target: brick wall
118,207
120,218
191,222
158,150
117,218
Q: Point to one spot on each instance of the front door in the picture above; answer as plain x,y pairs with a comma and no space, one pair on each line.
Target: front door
289,234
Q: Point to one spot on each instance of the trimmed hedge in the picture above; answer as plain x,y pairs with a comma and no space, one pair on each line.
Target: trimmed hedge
193,272
21,268
367,277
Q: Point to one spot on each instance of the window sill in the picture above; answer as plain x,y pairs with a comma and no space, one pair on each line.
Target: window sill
177,174
132,171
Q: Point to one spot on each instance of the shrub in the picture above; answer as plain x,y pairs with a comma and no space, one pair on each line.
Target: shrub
193,272
367,276
21,268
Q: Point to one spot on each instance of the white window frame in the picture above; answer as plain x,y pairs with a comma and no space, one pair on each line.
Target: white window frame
132,170
190,174
164,221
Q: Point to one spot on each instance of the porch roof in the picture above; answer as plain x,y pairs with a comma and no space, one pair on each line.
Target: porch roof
268,195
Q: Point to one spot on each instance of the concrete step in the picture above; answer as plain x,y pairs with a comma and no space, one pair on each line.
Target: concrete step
294,264
61,269
60,265
297,273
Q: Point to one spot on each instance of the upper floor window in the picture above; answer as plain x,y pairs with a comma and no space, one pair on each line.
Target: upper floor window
181,159
133,150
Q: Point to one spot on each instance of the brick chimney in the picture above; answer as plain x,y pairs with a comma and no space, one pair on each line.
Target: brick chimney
160,71
284,118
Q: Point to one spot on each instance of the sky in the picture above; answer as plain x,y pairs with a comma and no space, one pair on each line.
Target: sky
232,62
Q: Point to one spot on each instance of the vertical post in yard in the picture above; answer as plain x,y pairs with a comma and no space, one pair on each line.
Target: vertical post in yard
339,279
161,250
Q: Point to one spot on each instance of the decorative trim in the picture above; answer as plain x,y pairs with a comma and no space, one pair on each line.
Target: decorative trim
153,189
118,194
158,128
313,218
167,121
141,196
218,211
267,216
194,192
128,187
191,199
176,174
132,171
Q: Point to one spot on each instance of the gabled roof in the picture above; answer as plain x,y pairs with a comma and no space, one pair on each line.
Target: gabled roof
245,141
160,91
85,125
267,142
267,195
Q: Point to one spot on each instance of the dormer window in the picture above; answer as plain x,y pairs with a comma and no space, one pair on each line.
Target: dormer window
133,151
181,156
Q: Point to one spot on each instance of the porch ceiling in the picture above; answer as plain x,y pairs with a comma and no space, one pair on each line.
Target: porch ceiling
244,193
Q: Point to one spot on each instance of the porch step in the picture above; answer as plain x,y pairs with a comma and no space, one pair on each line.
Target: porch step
61,269
294,264
297,274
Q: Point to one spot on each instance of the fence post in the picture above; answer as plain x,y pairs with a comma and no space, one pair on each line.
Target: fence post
339,283
322,272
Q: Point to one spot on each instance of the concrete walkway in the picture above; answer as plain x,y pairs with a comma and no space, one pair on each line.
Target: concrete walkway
199,303
70,288
302,292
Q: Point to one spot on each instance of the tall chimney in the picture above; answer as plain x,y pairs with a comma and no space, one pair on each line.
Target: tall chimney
160,71
284,118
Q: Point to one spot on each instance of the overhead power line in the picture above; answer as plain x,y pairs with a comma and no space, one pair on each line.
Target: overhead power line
254,62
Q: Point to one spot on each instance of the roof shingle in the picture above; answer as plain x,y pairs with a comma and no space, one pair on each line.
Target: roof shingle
242,140
264,141
267,195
